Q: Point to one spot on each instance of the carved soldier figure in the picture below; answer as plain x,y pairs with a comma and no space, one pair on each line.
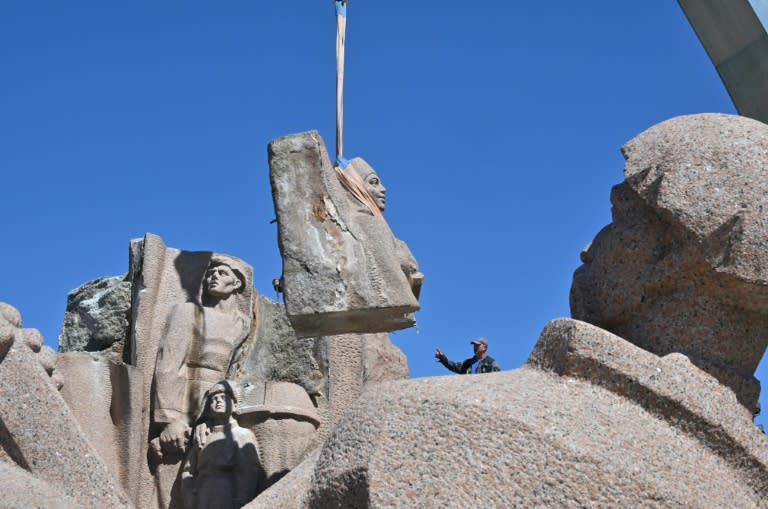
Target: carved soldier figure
196,351
222,469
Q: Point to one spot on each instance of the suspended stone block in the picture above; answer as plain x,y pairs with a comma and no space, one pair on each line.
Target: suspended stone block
343,269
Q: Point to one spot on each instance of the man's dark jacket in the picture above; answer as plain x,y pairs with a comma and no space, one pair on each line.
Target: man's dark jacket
487,365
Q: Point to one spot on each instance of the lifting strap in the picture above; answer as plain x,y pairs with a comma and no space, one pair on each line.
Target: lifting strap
341,29
349,179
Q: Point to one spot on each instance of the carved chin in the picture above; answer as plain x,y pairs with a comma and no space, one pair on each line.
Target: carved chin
220,291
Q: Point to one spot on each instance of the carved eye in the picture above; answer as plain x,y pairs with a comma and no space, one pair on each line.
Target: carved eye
374,181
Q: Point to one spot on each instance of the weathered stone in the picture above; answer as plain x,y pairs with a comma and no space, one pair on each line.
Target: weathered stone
10,314
343,270
274,352
10,321
221,469
333,370
110,415
30,337
22,489
284,420
292,490
382,361
591,420
97,315
39,433
179,319
683,266
47,359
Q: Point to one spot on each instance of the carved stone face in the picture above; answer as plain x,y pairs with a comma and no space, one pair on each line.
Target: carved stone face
219,405
377,189
221,281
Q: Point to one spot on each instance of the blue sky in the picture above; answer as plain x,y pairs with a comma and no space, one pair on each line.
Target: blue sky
495,126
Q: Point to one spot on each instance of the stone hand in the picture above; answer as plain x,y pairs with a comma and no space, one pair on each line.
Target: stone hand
174,437
439,355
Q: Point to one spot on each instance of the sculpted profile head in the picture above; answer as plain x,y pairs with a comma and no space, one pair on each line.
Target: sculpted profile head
372,182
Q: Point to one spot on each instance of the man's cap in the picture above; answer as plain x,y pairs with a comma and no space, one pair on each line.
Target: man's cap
479,341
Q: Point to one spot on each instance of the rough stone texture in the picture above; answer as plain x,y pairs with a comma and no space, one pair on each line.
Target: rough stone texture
341,271
274,352
332,369
682,267
591,421
345,384
97,315
382,360
22,489
39,433
292,490
105,398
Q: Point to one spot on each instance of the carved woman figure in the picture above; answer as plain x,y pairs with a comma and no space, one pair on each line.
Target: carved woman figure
221,470
370,184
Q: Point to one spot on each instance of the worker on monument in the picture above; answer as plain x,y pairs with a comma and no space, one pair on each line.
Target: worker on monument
480,362
196,351
222,469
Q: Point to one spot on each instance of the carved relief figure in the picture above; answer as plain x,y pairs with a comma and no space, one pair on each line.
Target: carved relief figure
378,193
222,469
196,352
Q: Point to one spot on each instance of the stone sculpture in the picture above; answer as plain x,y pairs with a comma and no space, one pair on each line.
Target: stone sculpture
659,418
222,469
305,384
196,350
284,420
590,421
343,270
42,446
375,234
682,267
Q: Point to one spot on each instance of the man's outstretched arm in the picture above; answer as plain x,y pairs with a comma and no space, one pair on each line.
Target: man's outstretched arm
453,366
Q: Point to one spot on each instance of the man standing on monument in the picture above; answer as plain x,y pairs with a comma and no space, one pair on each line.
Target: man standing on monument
480,362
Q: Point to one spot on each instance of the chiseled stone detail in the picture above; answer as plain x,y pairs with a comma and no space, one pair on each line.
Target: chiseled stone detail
343,270
683,266
284,420
110,413
191,312
221,469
